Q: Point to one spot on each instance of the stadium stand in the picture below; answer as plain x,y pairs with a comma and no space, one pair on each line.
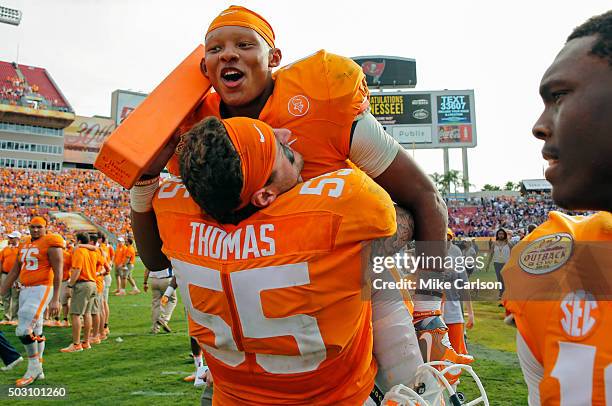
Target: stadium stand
24,193
30,86
512,213
105,204
39,79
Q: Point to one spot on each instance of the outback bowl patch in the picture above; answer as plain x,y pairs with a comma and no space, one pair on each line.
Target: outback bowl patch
547,254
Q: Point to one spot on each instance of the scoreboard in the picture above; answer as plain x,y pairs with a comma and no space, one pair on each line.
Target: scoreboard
427,119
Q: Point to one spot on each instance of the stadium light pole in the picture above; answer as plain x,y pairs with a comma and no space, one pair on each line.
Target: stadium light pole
10,16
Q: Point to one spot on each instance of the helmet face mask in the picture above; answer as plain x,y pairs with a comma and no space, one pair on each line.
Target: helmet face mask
433,389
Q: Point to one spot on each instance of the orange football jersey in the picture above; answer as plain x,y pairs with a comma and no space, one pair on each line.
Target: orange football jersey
559,288
8,256
317,98
33,256
276,301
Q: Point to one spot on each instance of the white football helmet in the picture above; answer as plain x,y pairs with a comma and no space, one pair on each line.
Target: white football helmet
433,389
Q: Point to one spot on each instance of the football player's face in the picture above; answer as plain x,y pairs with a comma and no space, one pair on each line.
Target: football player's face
14,241
575,127
238,63
36,231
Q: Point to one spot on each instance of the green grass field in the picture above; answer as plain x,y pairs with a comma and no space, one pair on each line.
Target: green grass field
144,369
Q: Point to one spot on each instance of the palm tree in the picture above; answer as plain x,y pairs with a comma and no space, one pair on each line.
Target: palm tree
438,182
509,186
489,187
452,177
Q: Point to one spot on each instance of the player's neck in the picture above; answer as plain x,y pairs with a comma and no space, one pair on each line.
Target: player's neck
251,109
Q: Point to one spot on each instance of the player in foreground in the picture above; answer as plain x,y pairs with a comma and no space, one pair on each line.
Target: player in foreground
237,280
251,284
323,101
563,338
39,269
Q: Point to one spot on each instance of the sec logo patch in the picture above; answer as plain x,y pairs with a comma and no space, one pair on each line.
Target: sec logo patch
298,105
579,314
547,254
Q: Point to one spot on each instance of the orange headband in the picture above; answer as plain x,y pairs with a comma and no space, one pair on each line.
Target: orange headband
255,143
38,221
243,17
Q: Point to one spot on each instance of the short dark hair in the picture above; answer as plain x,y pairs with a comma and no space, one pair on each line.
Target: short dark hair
93,238
130,241
211,171
101,236
82,238
601,26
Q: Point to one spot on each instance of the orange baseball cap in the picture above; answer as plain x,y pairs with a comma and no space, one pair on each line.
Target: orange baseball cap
243,17
255,143
38,221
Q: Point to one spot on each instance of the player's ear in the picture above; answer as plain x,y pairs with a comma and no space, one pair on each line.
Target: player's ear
203,67
275,58
263,197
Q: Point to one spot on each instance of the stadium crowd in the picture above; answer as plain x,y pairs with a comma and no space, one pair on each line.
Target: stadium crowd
107,204
25,193
490,214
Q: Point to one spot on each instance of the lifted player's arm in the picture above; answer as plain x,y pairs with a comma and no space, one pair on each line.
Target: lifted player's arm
144,222
384,160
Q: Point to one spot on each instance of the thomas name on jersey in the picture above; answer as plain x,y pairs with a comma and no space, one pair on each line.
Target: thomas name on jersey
247,242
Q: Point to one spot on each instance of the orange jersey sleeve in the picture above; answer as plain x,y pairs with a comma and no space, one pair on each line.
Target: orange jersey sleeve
276,301
9,256
559,288
82,259
317,98
34,258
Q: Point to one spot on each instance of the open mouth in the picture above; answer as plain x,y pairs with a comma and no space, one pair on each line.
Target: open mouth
231,76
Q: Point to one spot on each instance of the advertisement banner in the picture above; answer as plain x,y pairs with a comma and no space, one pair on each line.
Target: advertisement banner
454,134
84,137
401,109
411,135
453,109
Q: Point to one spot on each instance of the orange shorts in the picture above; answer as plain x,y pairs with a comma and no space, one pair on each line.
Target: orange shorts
457,338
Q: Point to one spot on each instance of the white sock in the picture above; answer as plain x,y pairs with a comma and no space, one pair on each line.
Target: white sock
41,348
197,360
31,349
